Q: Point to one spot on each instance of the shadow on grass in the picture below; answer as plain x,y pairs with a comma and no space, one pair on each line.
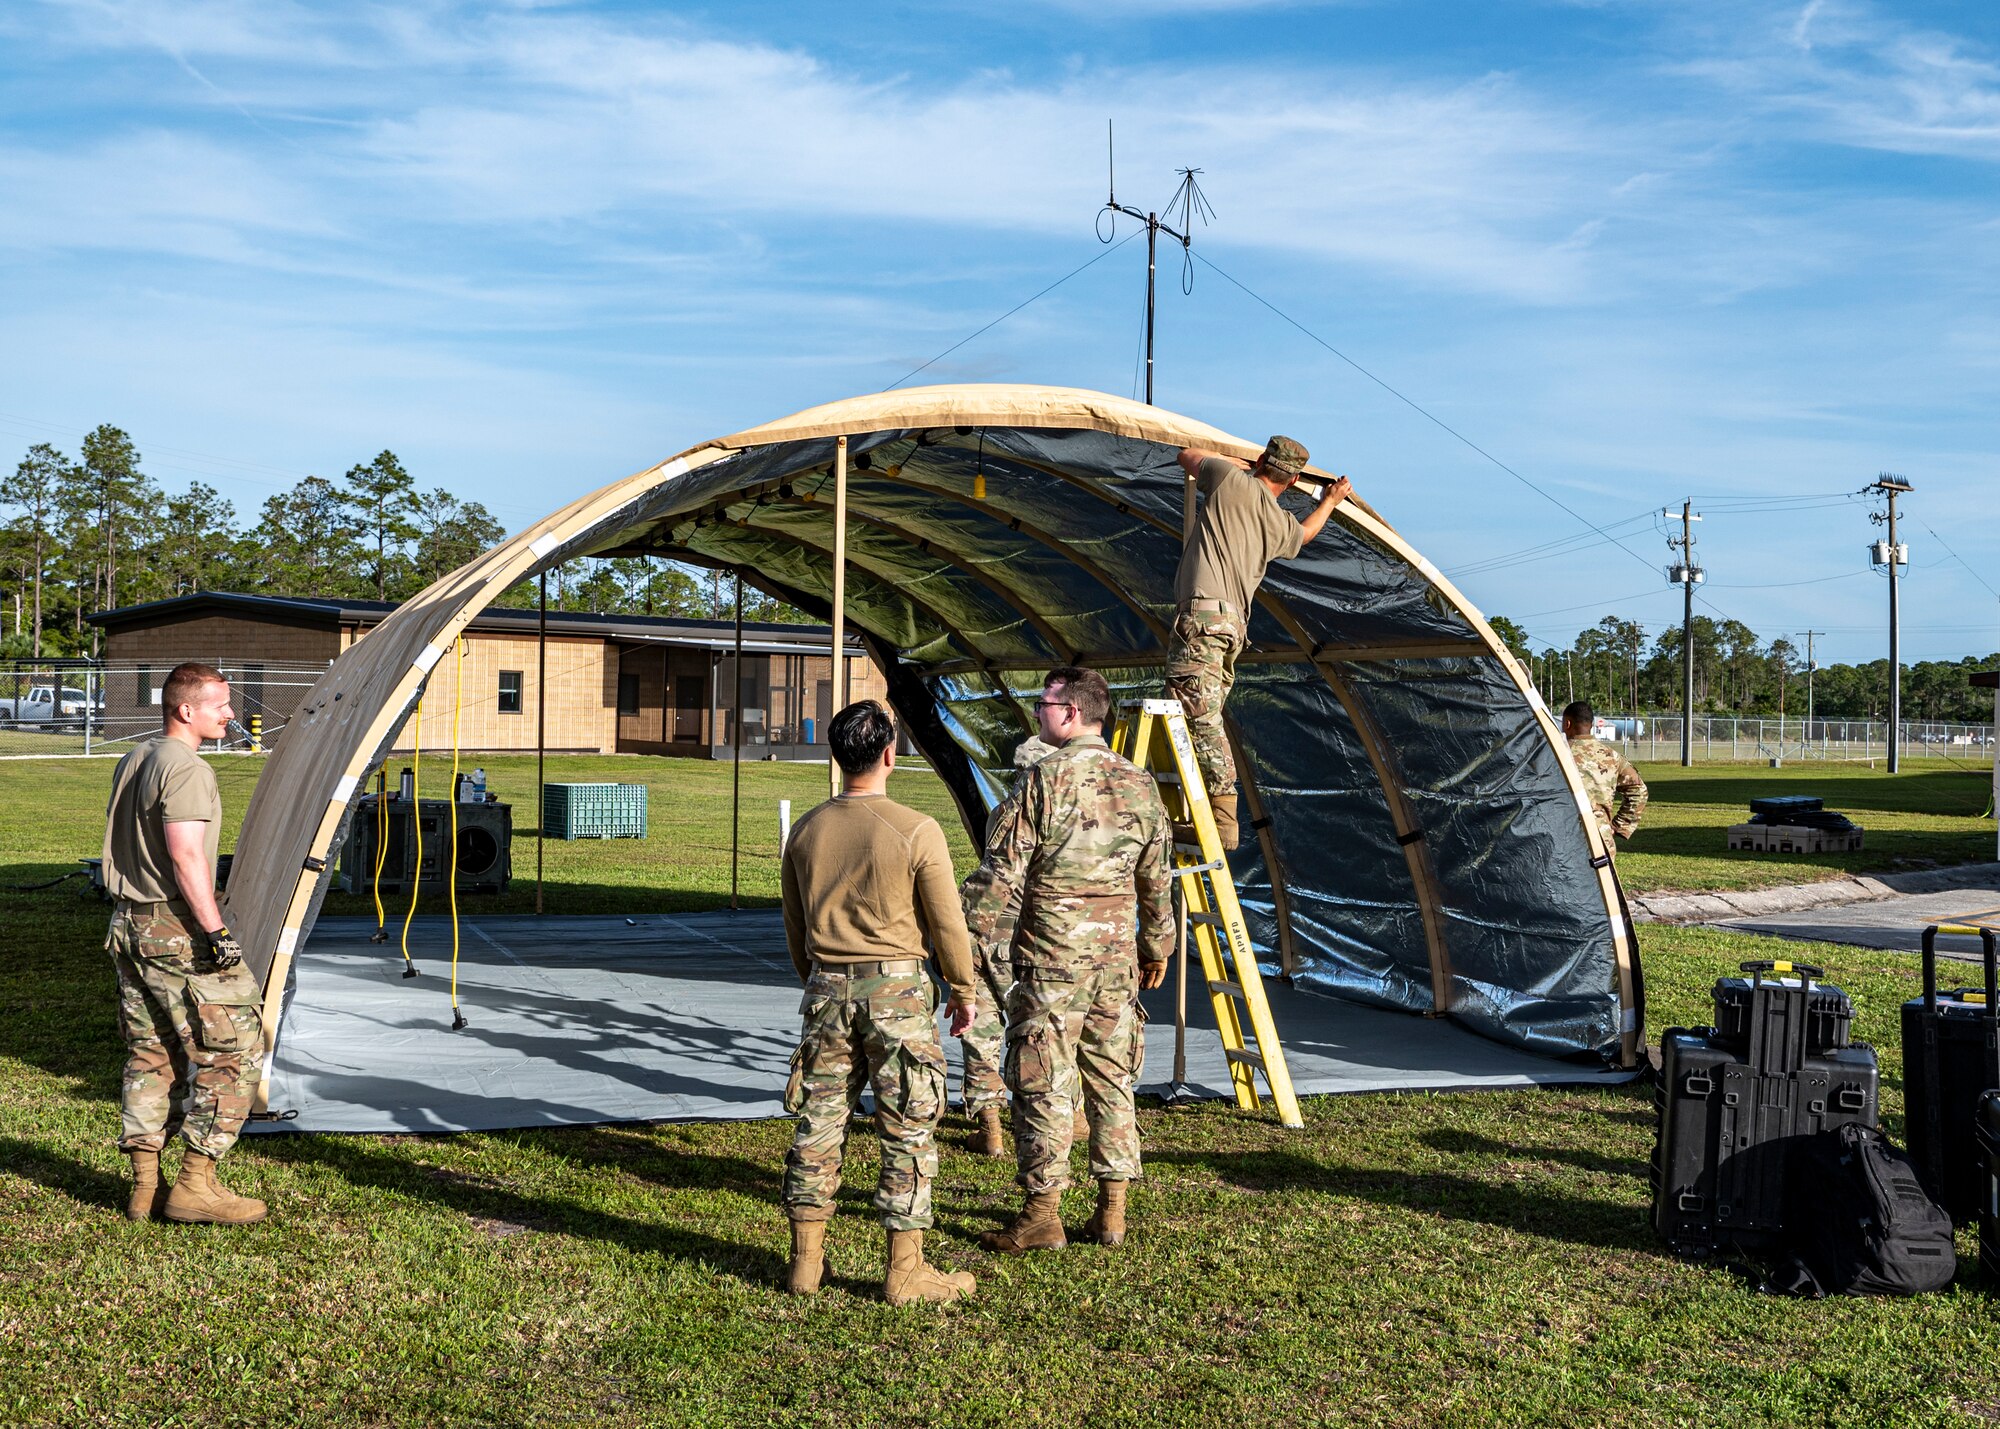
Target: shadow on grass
73,1178
1515,1207
484,1201
1471,1143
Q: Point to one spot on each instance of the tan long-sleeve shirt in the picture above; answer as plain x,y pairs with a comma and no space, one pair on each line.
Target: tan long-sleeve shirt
867,879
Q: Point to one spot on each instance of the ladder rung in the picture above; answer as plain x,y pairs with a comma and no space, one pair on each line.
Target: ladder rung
1161,776
1211,920
1216,984
1187,870
1250,1059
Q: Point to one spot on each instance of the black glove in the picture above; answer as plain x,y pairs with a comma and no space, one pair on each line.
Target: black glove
223,949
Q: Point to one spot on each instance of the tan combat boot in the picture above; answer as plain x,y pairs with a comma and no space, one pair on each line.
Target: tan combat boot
1225,818
198,1198
1038,1227
1107,1223
987,1140
149,1192
808,1265
912,1278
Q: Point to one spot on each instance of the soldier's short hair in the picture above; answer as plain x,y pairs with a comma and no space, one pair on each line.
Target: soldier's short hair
1579,712
859,734
185,682
1086,690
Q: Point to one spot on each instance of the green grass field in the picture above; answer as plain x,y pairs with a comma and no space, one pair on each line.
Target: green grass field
1404,1260
1935,812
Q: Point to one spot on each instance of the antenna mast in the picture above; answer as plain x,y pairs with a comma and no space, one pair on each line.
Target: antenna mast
1189,203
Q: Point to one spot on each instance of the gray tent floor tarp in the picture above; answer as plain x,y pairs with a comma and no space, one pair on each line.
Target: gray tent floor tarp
581,1021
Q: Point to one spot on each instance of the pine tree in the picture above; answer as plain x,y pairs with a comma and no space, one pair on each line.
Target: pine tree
385,499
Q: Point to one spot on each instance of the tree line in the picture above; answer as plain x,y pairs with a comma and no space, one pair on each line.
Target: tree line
95,532
1614,667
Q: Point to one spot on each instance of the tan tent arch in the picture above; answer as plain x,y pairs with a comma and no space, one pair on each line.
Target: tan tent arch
1423,841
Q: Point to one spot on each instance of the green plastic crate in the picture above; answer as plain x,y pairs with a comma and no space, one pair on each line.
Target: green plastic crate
594,811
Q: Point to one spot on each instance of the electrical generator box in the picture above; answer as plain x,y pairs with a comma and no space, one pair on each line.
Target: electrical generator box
383,835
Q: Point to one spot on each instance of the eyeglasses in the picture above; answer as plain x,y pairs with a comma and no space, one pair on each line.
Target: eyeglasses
1054,705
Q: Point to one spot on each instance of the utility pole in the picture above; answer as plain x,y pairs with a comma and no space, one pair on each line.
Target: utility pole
1894,555
1810,667
1189,203
1687,575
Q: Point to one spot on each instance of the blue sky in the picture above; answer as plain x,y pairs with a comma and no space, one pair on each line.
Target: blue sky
1636,251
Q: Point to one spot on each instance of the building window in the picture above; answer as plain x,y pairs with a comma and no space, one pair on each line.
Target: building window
628,694
149,693
510,692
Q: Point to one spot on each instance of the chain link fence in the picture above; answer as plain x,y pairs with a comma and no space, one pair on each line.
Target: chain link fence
79,708
1722,739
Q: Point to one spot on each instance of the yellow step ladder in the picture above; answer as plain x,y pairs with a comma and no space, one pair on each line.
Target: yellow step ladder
1153,734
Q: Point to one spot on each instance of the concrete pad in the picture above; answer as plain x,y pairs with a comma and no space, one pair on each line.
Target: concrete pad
574,1021
1896,923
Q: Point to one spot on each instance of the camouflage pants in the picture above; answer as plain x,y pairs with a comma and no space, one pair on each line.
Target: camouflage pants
189,1028
879,1030
984,1042
1201,669
1060,1030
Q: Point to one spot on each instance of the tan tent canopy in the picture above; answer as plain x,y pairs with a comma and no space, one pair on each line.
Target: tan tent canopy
1422,841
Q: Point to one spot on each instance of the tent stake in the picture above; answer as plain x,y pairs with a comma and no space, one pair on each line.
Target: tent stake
839,601
541,732
736,769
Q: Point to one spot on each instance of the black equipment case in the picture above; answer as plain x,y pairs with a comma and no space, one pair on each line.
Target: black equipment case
1986,1135
1730,1117
1826,1011
1951,1053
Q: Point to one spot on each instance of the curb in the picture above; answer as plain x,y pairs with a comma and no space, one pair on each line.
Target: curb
1792,897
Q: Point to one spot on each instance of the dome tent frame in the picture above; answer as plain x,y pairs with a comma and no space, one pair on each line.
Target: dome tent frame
1423,838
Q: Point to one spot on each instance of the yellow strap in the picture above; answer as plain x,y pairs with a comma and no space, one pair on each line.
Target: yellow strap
381,842
1967,929
416,819
1781,967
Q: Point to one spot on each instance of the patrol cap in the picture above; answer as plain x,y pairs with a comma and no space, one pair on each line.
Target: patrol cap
1283,455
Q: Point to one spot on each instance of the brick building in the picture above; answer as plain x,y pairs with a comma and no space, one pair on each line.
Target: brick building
616,683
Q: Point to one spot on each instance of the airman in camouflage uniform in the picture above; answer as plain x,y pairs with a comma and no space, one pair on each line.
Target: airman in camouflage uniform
984,1088
866,883
1239,531
189,1011
1084,854
1617,793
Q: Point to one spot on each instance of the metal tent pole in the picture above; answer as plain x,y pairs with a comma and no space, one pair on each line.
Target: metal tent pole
541,731
736,755
839,600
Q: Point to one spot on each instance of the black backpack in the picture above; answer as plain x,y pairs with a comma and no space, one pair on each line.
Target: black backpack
1859,1222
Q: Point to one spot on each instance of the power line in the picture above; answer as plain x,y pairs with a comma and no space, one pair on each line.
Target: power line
1591,604
1970,569
1786,585
1562,545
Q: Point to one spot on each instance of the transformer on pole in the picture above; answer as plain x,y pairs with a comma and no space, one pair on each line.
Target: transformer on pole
1894,555
1687,575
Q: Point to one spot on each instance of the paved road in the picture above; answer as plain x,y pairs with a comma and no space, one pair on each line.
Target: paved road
1896,923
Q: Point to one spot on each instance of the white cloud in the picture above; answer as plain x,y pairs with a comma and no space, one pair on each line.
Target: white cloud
553,119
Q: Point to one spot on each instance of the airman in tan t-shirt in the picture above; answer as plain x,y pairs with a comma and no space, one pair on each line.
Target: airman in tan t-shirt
1241,529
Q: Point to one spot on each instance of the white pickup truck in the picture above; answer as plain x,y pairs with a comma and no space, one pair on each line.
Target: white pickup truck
40,706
